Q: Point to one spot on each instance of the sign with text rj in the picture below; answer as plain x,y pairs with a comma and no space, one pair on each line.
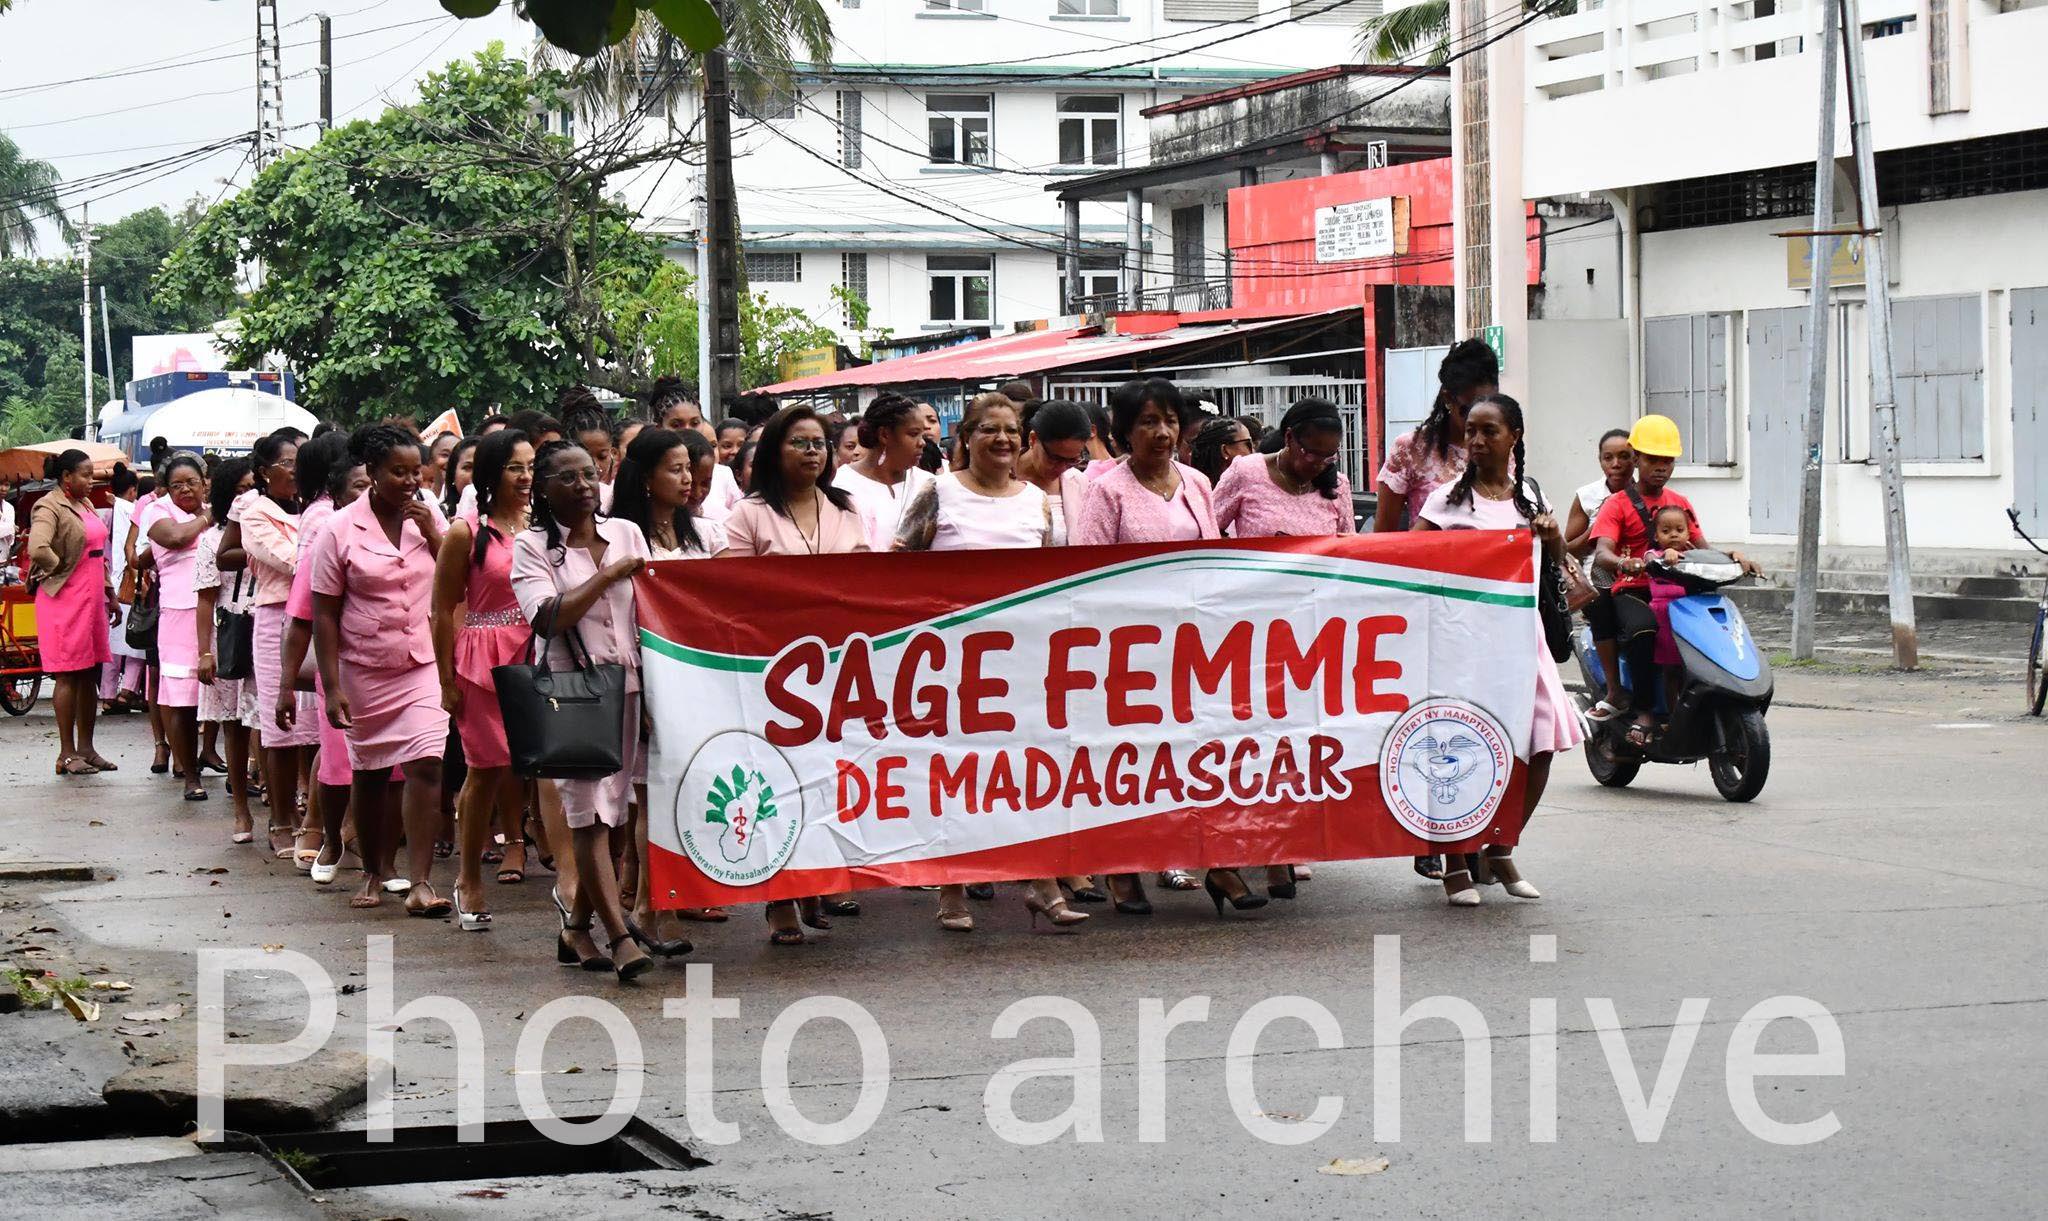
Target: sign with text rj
830,723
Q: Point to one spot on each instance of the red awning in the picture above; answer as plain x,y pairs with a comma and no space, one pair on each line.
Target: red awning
1022,354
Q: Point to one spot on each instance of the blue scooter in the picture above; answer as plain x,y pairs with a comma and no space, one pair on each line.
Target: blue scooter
1717,712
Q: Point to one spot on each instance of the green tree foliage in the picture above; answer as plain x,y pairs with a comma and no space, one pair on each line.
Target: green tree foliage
445,254
584,27
656,319
28,193
652,68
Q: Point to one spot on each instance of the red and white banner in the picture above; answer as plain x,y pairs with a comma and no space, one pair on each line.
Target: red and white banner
831,723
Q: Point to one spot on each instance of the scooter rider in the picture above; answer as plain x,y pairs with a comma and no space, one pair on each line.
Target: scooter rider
1622,534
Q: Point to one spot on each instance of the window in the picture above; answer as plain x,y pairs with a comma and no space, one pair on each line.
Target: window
1189,253
850,117
1211,10
775,268
1685,376
773,103
1938,343
853,274
962,286
957,6
1091,129
1101,277
958,124
565,123
1323,12
1088,8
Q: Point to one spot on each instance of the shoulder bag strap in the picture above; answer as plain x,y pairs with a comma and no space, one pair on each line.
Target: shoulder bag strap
1642,510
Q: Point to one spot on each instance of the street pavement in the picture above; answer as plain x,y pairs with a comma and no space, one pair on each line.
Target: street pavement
1886,874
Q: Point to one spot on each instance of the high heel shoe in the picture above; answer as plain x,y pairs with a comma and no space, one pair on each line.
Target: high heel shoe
954,919
982,892
568,956
1282,890
1510,878
634,967
1247,900
1466,895
660,949
1130,897
1085,893
1057,911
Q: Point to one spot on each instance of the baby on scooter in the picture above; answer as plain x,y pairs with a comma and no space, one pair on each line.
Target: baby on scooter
1673,539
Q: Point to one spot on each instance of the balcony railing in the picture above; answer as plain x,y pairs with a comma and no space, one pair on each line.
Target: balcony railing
1184,297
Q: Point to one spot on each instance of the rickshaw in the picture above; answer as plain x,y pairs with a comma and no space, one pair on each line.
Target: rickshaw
21,661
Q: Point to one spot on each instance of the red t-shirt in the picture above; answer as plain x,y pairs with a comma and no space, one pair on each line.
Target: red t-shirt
1619,523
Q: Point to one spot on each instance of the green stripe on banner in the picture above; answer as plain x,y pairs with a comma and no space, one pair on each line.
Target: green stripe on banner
744,664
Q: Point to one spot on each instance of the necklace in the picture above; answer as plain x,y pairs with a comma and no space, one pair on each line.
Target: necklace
1287,482
812,539
1163,485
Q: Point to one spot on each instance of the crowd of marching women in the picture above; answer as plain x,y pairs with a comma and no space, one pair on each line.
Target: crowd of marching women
318,621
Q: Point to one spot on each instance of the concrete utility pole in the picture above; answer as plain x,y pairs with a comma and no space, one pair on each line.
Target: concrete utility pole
107,340
269,86
85,315
326,71
706,374
722,230
1806,581
1884,421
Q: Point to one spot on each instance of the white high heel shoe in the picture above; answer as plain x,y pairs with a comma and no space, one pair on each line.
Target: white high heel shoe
1467,896
1510,878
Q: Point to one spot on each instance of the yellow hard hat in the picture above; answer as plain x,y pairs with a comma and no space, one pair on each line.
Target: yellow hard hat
1657,436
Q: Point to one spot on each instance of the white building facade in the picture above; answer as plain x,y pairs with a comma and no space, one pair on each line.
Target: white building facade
910,172
1697,122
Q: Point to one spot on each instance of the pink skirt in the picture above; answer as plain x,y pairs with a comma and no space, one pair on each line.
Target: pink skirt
330,766
1556,725
481,726
228,701
72,627
586,803
177,655
396,715
270,679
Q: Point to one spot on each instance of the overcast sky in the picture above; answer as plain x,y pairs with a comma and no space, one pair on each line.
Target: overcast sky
381,50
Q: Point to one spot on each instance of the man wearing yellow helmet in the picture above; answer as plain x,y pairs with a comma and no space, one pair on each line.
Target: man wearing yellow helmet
1622,534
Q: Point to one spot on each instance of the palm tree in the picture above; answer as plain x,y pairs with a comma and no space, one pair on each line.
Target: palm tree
650,69
1399,35
28,192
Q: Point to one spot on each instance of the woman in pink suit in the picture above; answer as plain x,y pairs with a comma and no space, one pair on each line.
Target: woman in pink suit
67,550
475,572
373,576
172,525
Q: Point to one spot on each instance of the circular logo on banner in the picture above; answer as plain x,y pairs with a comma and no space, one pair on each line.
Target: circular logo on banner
1444,769
739,809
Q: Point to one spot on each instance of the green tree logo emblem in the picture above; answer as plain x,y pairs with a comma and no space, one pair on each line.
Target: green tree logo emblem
738,801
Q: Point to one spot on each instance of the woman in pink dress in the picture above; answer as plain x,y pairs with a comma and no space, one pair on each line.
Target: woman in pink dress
886,476
474,572
373,576
229,703
270,539
1295,492
67,550
1151,498
792,508
1493,495
983,506
172,525
654,488
572,570
334,480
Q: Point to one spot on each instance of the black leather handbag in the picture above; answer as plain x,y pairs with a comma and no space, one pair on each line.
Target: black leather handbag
563,724
142,617
234,640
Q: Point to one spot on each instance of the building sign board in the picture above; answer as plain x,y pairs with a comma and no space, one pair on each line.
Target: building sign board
1368,229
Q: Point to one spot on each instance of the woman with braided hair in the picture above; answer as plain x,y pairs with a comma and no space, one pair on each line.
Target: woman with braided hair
1493,494
373,579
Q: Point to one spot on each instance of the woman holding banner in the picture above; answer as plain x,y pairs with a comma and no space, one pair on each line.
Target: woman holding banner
1296,491
654,490
792,508
984,506
1492,494
1151,498
572,570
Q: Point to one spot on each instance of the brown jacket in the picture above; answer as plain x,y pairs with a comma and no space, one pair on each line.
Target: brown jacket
56,542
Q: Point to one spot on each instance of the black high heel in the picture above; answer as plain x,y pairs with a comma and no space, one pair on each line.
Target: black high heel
566,954
1085,895
1137,904
660,949
1244,902
981,892
1283,890
633,969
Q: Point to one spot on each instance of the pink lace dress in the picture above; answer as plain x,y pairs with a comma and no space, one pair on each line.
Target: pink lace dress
493,633
1412,472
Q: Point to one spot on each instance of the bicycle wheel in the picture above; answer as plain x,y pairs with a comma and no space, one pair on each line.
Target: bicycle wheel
2037,680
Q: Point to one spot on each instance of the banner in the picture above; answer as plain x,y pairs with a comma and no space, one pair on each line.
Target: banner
830,723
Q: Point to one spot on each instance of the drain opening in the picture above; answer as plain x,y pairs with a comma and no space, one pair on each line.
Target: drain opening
328,1161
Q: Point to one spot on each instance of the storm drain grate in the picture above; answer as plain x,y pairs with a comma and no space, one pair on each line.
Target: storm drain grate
328,1161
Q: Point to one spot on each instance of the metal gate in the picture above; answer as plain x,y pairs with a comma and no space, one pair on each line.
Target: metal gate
2030,407
1777,398
1265,399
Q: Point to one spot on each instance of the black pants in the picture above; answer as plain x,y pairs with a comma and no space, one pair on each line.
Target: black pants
1624,615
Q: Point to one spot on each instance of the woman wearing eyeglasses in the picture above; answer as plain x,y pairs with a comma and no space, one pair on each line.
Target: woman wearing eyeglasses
1296,492
792,508
172,525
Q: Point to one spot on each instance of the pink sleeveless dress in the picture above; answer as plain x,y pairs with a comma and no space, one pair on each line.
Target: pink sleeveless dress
493,633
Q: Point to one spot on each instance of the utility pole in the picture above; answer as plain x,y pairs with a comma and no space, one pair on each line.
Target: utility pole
326,72
85,315
107,340
722,232
269,86
706,375
1884,412
1821,248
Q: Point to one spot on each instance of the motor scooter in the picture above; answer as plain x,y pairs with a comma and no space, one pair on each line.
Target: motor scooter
1717,711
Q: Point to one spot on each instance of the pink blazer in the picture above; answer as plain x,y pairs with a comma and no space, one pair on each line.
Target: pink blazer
755,529
1122,510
